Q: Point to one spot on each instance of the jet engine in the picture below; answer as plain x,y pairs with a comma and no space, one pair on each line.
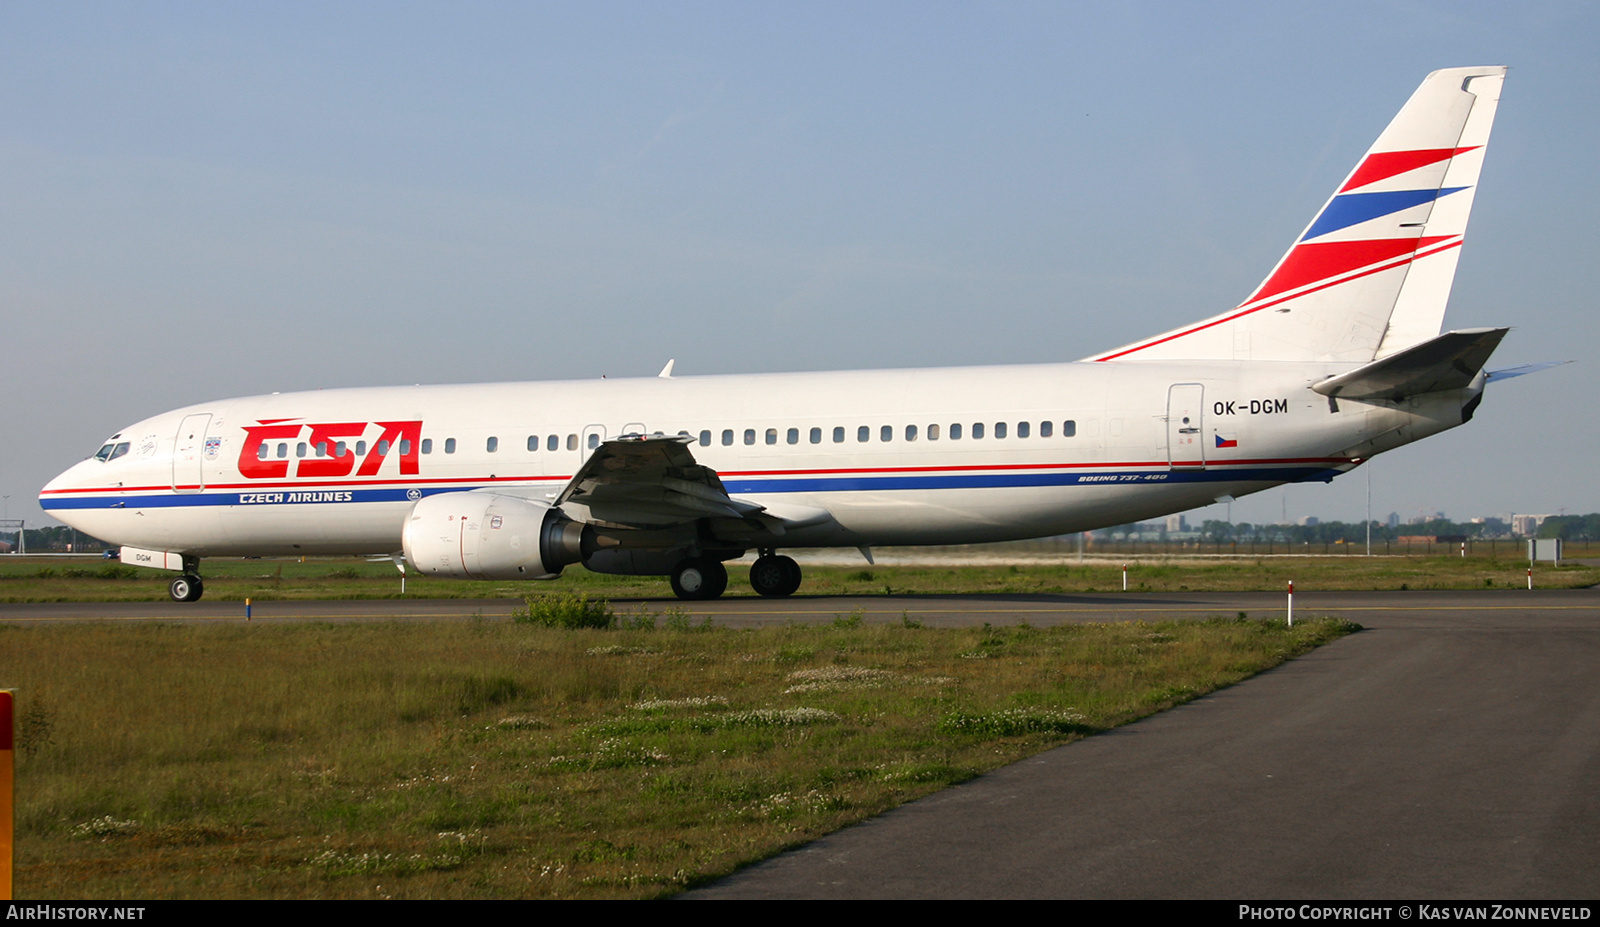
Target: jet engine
480,535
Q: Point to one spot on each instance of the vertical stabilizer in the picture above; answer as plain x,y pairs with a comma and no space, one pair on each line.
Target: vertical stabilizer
1371,274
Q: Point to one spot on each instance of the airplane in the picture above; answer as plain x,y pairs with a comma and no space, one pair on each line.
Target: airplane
1335,357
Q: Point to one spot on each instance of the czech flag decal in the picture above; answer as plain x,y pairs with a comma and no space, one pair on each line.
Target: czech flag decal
1226,442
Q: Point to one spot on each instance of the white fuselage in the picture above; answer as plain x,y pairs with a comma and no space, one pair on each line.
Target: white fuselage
930,456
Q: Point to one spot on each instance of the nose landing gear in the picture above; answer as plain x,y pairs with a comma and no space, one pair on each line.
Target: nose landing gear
188,587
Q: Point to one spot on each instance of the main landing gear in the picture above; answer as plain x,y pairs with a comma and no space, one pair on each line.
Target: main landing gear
699,578
188,587
705,578
773,575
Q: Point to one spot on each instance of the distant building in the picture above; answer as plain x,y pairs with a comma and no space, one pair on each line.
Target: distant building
1393,521
1526,525
1310,520
1177,523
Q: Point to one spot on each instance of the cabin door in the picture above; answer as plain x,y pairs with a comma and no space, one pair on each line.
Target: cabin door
1186,446
188,453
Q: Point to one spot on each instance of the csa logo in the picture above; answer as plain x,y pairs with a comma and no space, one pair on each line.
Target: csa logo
257,463
413,494
213,446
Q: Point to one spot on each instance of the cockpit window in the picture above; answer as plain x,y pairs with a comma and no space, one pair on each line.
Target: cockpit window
111,451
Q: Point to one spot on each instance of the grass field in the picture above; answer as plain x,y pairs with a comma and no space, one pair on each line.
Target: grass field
492,759
37,579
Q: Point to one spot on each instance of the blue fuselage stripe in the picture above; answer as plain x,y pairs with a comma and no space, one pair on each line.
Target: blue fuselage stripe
325,495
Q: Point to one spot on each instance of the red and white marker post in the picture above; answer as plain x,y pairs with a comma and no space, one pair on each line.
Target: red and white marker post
8,792
1290,612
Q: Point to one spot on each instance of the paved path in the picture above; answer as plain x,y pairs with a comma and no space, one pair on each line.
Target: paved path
1450,751
933,610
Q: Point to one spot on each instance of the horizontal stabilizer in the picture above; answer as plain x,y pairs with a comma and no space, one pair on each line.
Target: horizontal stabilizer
1506,373
1449,361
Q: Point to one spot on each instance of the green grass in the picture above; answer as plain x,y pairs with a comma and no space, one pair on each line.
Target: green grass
66,580
492,759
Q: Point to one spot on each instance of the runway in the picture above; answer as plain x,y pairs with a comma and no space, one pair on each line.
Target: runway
1433,608
1451,750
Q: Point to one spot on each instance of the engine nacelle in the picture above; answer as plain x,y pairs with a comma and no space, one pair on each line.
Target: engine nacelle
481,535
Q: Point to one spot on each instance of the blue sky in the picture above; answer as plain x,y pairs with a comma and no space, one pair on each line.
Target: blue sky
219,199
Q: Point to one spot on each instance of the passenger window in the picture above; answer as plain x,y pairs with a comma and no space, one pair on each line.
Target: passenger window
749,436
492,445
449,445
838,434
261,452
816,436
405,447
772,436
911,432
1069,429
427,445
793,436
361,448
727,437
322,449
977,431
572,442
300,449
594,440
1044,429
886,433
1022,429
933,432
863,434
383,449
339,449
999,429
955,432
533,443
705,439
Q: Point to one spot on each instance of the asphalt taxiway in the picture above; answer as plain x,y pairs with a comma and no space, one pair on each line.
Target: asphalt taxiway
1412,608
1451,750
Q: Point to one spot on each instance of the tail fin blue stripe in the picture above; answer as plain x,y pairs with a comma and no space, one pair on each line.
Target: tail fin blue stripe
1349,209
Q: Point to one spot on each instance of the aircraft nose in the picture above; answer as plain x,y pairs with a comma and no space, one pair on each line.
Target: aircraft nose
65,481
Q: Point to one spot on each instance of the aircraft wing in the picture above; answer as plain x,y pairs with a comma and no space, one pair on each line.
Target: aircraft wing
651,482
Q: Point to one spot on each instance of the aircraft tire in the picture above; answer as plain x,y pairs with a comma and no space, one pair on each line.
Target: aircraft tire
186,588
699,578
775,576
